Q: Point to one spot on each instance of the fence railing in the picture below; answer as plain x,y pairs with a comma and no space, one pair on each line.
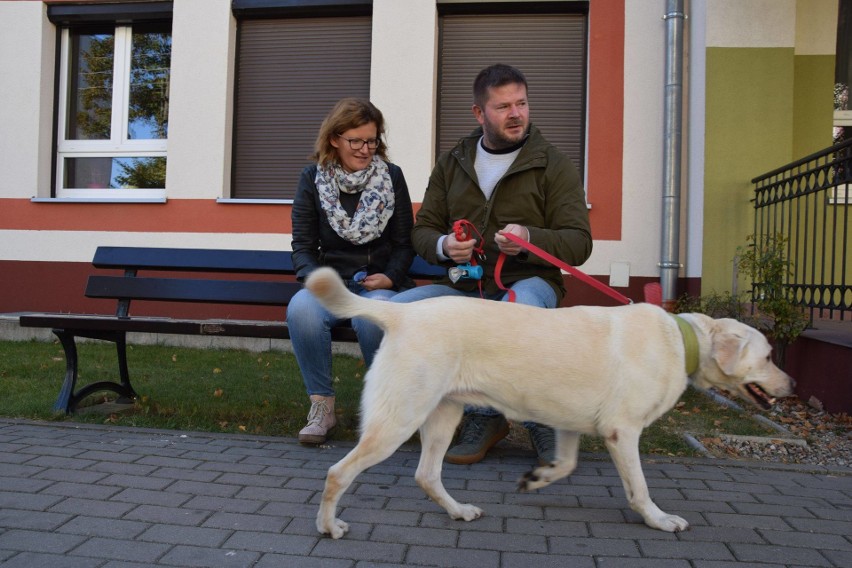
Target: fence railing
808,202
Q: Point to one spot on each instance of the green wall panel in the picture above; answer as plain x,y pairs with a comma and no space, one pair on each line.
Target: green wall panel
813,104
749,131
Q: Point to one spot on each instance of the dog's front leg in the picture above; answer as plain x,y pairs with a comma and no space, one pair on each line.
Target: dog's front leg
435,437
623,446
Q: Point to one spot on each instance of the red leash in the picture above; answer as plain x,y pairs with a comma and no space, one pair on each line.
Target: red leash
559,264
463,230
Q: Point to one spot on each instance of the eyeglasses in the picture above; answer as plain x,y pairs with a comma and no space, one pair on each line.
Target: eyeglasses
358,143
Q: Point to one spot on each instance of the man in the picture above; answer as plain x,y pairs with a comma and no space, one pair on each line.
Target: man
503,178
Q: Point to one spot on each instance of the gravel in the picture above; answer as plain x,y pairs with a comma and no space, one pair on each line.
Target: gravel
806,434
815,437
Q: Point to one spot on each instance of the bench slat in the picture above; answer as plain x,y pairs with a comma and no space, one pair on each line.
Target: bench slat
194,260
215,260
192,290
82,323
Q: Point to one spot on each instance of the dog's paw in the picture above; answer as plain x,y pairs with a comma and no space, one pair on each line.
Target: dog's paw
670,523
336,530
531,481
466,512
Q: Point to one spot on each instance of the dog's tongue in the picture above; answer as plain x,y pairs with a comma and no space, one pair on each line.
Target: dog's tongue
761,395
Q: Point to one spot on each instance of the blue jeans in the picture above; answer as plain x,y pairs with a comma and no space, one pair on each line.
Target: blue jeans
310,333
531,291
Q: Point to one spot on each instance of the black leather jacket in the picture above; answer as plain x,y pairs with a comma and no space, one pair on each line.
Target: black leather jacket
316,244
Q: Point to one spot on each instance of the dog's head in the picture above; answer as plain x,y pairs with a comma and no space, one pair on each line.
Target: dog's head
740,361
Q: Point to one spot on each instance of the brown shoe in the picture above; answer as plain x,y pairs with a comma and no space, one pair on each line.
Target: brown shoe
321,419
478,434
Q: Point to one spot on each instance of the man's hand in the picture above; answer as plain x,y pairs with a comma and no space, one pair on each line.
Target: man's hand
459,251
505,245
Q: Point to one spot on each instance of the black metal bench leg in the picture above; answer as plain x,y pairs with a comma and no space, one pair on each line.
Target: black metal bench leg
66,393
121,348
68,399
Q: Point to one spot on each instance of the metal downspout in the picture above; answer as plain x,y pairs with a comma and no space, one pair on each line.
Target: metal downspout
670,263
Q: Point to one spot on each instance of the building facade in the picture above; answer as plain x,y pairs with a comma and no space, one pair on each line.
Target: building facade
185,123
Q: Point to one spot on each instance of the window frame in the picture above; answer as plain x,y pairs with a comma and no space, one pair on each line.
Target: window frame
119,145
474,9
251,13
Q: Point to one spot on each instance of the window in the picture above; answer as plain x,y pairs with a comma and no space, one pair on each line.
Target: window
291,69
548,46
113,110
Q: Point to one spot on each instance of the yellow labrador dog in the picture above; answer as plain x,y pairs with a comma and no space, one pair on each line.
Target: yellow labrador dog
608,371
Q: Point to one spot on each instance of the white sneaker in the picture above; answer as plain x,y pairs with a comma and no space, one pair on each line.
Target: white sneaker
321,419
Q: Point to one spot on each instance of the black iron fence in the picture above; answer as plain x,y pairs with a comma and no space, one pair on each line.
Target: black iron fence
808,202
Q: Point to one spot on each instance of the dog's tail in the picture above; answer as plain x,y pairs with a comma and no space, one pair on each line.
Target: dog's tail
325,283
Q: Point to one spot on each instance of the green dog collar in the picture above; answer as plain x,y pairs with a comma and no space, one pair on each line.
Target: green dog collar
690,344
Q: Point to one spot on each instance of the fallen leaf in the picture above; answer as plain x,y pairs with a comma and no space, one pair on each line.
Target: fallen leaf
218,392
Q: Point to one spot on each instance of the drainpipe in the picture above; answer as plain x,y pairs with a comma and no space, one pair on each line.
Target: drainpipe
670,264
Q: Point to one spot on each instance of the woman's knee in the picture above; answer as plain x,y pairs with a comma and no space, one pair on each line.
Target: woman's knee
382,295
305,312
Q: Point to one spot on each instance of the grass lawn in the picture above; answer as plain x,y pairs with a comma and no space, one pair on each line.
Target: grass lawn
261,393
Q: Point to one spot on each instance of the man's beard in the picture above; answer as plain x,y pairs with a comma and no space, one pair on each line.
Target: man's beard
495,139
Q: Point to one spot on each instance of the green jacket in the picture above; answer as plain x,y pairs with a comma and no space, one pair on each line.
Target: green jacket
541,190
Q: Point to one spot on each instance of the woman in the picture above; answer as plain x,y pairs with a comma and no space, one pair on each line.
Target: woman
352,212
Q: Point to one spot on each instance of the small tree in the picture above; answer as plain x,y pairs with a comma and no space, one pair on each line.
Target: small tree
773,310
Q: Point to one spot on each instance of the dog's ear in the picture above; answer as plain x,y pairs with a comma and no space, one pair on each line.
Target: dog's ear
728,350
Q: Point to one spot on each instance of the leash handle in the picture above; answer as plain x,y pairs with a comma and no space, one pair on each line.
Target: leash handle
569,269
463,229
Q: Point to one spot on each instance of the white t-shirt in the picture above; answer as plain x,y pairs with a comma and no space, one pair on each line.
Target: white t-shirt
490,166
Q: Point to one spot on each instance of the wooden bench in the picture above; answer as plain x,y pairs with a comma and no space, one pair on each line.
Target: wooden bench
235,281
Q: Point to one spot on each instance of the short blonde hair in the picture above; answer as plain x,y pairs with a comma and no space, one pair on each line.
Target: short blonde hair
348,113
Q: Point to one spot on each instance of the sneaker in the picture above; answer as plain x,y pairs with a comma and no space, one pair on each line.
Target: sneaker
543,439
321,419
478,434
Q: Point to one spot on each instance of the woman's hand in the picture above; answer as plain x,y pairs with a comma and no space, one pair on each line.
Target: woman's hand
377,282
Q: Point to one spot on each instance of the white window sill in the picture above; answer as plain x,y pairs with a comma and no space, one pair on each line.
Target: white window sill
231,201
98,200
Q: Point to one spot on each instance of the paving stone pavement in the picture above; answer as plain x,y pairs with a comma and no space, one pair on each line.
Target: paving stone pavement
89,496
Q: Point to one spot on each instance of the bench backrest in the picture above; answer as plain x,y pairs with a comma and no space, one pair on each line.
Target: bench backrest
194,260
201,290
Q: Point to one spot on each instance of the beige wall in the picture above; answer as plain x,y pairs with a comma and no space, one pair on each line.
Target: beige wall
27,43
403,79
201,99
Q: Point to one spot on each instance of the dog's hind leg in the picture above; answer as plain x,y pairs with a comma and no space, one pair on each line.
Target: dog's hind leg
567,449
377,443
435,437
623,446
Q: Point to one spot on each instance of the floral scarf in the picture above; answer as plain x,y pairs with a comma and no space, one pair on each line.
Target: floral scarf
375,206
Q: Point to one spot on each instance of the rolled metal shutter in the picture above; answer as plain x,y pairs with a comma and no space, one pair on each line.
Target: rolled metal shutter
550,49
290,73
